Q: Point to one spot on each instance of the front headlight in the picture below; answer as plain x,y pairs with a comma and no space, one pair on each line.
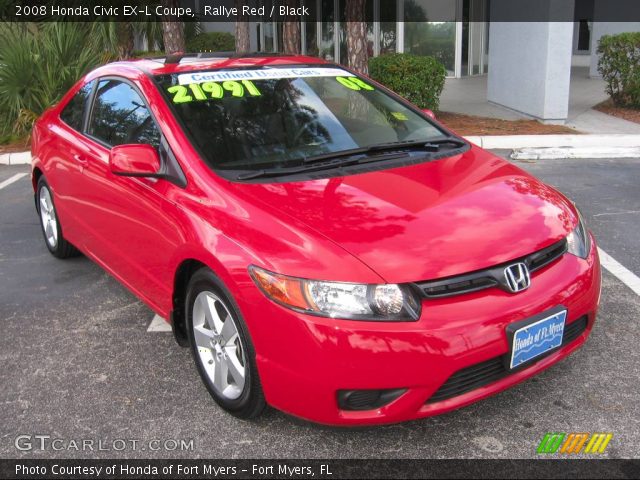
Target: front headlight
578,241
354,301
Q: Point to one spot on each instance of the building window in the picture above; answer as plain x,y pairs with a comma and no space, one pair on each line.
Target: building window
397,26
327,39
435,39
388,27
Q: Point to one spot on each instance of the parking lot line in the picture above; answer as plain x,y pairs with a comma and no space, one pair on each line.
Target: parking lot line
13,179
158,324
626,276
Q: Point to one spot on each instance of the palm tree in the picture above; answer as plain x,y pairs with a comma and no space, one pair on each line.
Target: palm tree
115,38
172,30
38,64
291,37
243,43
291,32
357,54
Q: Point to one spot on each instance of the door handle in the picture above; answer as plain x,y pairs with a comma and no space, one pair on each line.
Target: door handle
81,159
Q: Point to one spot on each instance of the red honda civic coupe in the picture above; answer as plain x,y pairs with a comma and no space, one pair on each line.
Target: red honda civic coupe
319,243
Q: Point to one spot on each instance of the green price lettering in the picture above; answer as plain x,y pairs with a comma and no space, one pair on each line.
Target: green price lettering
236,89
212,90
197,91
180,94
251,88
354,83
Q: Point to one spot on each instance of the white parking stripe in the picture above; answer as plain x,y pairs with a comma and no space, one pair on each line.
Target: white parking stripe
13,179
626,276
158,324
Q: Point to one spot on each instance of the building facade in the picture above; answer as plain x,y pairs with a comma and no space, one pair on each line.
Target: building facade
528,63
395,26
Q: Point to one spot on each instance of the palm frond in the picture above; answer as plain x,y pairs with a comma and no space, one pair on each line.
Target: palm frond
38,65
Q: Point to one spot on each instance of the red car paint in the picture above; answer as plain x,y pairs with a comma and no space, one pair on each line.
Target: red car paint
427,221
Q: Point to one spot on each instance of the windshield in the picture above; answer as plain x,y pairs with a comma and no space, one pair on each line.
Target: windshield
278,117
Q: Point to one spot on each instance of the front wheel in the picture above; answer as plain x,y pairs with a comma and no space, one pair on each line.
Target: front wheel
221,347
51,228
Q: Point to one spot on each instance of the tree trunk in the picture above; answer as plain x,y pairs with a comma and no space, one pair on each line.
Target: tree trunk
125,40
291,37
291,31
172,30
243,43
357,54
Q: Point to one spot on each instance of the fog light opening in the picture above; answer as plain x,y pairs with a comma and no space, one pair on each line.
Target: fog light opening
367,399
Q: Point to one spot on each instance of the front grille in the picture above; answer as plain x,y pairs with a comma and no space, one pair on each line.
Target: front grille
456,288
545,256
491,277
492,370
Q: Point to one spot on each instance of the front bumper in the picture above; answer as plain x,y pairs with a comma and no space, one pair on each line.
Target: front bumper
304,361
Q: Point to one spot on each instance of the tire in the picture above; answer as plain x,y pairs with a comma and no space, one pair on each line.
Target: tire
222,351
50,224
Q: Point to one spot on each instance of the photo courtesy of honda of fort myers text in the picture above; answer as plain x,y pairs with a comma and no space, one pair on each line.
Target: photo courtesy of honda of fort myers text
319,239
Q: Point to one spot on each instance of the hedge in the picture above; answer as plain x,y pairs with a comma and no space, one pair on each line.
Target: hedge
418,79
212,42
619,66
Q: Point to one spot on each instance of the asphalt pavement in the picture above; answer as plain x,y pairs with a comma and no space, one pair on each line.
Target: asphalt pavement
79,364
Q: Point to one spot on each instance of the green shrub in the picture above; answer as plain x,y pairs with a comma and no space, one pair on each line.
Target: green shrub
418,79
37,67
619,66
212,42
148,54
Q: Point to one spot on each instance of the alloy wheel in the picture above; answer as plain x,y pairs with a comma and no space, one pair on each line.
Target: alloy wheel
48,217
219,345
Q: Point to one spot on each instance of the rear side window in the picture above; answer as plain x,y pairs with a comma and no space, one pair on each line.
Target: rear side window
120,116
73,113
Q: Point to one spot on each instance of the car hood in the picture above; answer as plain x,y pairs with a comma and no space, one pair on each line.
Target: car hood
427,221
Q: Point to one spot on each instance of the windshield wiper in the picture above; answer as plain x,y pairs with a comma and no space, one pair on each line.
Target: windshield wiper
430,146
446,141
336,159
276,172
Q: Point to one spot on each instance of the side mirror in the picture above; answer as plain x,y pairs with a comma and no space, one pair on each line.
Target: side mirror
135,161
429,113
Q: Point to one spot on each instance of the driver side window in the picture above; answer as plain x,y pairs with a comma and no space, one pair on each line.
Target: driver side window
120,116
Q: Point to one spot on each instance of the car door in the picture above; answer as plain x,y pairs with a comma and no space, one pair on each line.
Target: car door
133,224
65,161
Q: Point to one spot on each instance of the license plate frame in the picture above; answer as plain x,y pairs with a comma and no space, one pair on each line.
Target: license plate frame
529,341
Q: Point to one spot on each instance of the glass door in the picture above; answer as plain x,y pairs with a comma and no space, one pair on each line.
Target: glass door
474,37
436,39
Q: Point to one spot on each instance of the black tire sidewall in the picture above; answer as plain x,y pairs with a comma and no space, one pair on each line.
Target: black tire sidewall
205,280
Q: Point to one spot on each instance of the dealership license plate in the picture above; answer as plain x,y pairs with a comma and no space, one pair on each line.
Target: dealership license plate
537,338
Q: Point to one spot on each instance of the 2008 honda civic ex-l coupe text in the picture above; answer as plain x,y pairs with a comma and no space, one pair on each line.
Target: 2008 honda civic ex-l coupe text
320,244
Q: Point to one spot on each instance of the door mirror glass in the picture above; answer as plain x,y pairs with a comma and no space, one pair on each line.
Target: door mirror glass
138,160
429,113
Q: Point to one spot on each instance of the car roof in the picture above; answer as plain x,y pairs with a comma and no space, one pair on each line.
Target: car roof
213,60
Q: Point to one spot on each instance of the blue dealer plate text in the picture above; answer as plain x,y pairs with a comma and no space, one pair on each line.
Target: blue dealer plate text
537,338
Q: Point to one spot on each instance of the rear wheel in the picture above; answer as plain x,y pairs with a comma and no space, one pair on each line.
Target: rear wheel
221,347
51,228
